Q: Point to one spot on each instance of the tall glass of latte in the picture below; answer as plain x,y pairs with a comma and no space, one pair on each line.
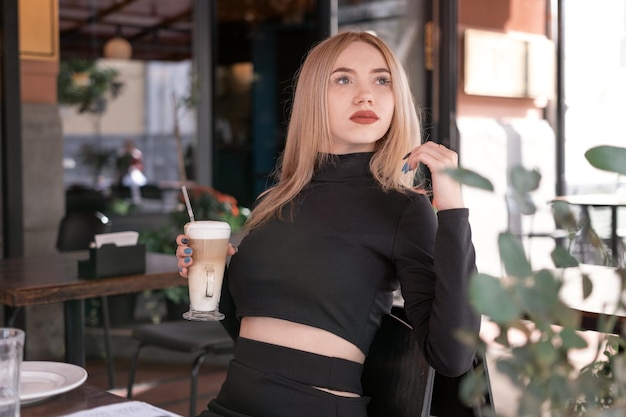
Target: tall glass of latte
209,241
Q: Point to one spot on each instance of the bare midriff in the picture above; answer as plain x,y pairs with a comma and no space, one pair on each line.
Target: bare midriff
302,337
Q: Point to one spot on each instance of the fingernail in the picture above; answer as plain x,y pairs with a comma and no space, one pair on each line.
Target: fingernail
187,260
180,269
187,251
184,241
236,248
405,168
406,156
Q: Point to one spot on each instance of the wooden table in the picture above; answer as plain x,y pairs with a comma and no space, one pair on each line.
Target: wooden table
613,201
603,299
54,278
82,398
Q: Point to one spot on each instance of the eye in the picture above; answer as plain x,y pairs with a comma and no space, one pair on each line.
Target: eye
383,80
342,80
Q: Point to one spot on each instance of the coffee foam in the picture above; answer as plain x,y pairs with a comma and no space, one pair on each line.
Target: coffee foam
207,229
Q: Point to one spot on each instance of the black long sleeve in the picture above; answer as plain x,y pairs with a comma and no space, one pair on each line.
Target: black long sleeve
335,263
435,294
227,307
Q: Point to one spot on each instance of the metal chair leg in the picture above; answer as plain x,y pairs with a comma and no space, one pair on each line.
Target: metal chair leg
106,324
133,370
194,381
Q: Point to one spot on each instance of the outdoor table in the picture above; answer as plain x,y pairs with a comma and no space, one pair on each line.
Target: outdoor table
54,278
81,398
603,299
613,201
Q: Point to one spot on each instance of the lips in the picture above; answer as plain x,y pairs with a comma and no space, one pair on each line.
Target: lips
364,117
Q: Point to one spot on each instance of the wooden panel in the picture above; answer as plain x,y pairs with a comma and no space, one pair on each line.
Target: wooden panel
39,33
494,64
38,81
505,65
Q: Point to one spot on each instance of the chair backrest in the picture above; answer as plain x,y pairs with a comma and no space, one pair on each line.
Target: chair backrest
77,229
396,375
401,383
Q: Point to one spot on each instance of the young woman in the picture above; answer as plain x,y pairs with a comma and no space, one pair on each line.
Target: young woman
339,232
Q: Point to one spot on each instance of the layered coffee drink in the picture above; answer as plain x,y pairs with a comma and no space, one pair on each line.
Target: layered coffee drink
209,241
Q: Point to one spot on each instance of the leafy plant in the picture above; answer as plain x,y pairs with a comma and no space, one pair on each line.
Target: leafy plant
83,83
527,302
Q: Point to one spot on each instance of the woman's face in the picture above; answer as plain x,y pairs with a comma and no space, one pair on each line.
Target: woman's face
360,99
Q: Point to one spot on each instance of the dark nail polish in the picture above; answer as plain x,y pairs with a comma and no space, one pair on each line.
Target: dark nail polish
184,241
405,168
406,156
187,260
187,251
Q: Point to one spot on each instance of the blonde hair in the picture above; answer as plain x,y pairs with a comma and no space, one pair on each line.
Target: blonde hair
309,136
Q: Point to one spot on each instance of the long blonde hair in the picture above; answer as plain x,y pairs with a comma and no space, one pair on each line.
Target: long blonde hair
309,136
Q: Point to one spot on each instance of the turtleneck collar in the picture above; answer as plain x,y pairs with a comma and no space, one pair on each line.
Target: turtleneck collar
344,167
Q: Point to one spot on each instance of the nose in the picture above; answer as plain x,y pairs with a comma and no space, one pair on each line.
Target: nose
364,95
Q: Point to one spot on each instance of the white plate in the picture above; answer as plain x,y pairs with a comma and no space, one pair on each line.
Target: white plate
39,380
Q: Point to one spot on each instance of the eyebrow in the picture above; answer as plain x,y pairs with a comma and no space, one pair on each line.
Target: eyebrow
374,71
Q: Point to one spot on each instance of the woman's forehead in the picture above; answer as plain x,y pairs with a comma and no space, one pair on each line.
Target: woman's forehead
360,53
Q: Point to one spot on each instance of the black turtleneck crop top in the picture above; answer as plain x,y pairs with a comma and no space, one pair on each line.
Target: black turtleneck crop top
348,245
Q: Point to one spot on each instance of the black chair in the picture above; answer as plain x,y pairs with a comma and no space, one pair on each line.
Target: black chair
77,229
149,191
76,232
401,383
202,339
395,374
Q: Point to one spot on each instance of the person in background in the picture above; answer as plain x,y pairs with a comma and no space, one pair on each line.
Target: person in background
327,245
130,170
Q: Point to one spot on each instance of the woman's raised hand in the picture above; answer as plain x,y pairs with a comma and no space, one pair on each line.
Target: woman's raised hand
184,252
446,190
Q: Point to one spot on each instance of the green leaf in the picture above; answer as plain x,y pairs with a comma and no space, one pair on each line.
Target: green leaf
564,216
608,158
524,181
564,315
571,339
489,297
587,286
472,388
508,368
539,294
512,253
546,354
470,178
562,258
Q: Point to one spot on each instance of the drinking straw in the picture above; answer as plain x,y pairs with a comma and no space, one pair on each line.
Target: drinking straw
188,204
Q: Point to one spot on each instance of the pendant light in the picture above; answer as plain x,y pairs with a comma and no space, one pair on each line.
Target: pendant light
118,47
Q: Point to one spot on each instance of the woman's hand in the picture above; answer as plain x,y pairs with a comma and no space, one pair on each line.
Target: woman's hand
446,190
184,252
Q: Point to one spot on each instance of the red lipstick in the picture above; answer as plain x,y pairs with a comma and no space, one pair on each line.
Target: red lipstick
364,117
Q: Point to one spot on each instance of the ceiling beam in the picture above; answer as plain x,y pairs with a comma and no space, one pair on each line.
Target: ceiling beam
132,26
97,17
165,23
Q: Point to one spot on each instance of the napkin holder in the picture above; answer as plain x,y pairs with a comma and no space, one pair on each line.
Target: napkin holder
110,260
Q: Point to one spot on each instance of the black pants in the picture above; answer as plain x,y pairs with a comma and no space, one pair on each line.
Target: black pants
266,380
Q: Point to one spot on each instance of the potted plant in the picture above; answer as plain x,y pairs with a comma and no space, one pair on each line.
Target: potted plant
83,84
527,303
